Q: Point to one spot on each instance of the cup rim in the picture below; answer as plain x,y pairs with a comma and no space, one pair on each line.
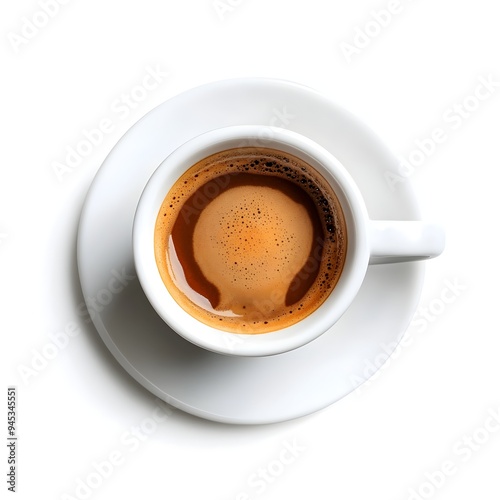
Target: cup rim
278,341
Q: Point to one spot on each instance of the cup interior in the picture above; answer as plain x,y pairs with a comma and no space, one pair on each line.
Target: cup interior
278,341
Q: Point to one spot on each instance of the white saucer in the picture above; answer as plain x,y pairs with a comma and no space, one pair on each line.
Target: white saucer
213,386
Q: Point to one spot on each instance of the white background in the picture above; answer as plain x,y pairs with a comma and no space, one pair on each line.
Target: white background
381,442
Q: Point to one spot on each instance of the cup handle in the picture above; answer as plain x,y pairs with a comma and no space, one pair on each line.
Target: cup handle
404,241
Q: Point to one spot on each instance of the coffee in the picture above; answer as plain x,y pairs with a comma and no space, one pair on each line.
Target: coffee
250,240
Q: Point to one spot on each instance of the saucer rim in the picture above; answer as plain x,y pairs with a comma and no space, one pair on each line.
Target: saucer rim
418,275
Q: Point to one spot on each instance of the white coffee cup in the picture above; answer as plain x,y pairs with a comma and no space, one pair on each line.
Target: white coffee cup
369,242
